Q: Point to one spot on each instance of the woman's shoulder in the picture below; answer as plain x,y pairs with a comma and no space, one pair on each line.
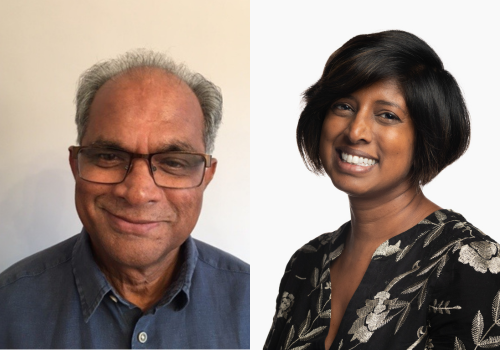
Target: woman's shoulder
475,248
446,229
325,247
466,285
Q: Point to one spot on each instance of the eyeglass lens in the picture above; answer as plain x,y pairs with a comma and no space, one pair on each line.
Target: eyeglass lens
172,169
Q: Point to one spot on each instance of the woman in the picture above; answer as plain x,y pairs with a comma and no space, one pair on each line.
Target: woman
383,120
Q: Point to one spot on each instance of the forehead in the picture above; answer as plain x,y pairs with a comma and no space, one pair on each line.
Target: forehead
145,110
386,92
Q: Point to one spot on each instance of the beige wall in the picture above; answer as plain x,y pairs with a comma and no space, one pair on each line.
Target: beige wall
45,45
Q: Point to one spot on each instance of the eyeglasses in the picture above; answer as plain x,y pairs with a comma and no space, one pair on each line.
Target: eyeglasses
168,169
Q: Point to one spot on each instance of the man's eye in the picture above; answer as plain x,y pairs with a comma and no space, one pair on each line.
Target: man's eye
105,158
174,163
108,156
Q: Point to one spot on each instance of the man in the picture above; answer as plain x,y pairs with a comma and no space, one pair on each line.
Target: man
134,277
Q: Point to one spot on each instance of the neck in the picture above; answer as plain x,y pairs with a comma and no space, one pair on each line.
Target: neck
144,286
376,219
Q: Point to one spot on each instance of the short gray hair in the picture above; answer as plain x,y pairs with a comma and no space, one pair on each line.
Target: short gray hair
208,94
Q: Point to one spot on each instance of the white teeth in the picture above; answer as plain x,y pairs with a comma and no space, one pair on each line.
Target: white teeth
349,158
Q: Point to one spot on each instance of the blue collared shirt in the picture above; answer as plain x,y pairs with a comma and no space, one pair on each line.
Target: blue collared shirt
59,298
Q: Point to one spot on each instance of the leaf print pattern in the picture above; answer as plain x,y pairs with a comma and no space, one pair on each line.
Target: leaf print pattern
306,330
479,339
443,308
399,300
318,281
421,334
477,327
459,345
428,344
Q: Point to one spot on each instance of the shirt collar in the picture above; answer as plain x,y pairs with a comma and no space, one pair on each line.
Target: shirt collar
179,289
92,285
90,281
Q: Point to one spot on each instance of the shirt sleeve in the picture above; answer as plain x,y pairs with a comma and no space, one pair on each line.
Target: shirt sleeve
464,310
283,302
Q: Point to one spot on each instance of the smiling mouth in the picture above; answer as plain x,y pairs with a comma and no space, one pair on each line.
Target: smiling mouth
356,160
133,226
135,221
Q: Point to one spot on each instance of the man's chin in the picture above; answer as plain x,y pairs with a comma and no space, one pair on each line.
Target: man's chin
135,251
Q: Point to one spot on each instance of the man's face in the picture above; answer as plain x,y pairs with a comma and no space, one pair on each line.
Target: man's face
136,223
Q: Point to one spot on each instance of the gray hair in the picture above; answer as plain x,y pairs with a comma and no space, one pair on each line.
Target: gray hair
208,94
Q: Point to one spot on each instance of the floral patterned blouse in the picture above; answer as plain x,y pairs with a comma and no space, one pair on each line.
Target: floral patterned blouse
435,286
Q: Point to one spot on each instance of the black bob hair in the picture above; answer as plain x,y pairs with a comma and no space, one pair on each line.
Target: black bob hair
433,98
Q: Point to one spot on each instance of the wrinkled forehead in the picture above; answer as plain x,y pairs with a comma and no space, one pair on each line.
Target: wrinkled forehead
147,78
146,106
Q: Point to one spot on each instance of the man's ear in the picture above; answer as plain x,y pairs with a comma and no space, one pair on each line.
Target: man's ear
73,164
209,173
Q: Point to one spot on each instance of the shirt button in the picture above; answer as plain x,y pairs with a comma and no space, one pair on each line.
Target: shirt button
112,297
143,337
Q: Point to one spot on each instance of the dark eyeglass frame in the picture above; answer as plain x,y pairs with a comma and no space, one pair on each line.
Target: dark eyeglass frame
75,150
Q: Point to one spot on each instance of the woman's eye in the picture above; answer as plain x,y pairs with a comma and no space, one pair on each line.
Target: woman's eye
341,107
389,116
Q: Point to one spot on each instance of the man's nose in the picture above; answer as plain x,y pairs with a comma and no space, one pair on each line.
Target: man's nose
139,186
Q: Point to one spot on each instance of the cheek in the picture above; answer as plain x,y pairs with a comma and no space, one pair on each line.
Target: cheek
85,196
324,149
82,196
329,132
408,147
400,146
187,204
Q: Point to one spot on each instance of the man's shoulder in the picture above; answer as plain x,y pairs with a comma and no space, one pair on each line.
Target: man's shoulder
39,263
219,259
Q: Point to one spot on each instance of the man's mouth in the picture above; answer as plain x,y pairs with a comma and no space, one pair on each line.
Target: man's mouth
356,160
132,225
135,221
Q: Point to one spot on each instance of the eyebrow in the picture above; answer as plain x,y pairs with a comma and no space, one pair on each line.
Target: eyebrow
177,146
382,102
174,146
392,104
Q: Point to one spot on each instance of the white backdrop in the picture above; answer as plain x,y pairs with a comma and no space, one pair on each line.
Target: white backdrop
290,43
46,45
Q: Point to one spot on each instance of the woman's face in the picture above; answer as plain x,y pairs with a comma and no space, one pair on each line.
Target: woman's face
367,141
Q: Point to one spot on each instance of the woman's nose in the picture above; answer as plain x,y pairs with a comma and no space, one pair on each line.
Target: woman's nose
360,127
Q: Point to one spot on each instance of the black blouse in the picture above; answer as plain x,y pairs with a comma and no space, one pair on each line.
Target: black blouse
435,286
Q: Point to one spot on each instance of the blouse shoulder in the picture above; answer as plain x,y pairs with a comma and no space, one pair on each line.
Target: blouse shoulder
451,231
325,247
305,272
468,290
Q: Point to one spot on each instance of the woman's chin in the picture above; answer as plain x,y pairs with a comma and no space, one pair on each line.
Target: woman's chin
354,188
364,188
